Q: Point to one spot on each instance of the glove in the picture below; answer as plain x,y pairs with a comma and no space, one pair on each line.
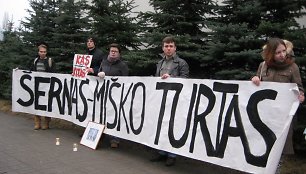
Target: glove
101,74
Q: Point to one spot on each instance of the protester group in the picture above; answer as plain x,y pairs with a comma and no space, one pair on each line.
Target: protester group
278,65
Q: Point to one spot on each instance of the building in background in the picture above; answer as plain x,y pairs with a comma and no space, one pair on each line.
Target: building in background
302,21
1,34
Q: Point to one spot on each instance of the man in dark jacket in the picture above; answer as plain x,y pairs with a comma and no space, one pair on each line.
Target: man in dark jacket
170,66
97,56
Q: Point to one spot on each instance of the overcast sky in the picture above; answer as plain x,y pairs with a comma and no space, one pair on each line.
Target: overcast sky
16,9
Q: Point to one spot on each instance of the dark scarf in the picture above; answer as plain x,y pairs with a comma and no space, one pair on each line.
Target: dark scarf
113,60
280,65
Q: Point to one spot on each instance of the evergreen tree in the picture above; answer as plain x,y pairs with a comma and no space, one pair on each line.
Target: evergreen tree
12,53
39,26
70,33
279,17
113,22
279,20
186,20
238,33
6,23
62,25
140,62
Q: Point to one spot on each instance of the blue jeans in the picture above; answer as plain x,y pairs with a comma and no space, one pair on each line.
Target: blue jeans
171,155
114,139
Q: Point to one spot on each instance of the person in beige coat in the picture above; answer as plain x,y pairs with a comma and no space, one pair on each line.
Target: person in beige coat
279,66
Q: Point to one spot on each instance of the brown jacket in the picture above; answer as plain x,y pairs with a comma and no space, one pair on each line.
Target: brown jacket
289,74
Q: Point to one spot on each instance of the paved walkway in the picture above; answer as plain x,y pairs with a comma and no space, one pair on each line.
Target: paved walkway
26,151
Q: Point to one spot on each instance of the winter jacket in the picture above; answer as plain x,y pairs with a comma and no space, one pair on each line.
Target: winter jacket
48,63
179,67
117,68
288,74
97,57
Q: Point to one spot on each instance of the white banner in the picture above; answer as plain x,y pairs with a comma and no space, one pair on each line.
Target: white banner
234,124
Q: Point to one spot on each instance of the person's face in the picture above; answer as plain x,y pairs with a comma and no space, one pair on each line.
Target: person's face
280,53
114,52
90,44
169,49
42,52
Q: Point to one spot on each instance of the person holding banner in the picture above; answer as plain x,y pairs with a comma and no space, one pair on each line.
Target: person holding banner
97,56
113,66
279,66
170,66
42,63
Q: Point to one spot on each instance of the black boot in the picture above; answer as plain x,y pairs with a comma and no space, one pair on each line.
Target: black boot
170,161
158,157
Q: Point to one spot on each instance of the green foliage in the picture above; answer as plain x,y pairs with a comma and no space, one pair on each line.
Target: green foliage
183,19
241,29
62,25
39,26
12,56
70,33
141,62
113,22
238,74
219,41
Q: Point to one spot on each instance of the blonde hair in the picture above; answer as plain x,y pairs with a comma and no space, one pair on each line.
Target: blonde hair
42,46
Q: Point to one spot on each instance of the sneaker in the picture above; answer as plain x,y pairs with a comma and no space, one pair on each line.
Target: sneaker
170,161
158,158
114,145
